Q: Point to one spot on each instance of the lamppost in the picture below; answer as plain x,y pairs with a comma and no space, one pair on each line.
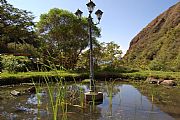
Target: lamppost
91,5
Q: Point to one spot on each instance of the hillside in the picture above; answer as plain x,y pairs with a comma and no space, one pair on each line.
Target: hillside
157,46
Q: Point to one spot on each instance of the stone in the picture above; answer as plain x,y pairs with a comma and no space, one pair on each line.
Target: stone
31,90
168,82
152,80
15,93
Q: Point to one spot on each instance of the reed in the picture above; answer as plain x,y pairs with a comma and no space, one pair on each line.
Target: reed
109,88
81,97
56,94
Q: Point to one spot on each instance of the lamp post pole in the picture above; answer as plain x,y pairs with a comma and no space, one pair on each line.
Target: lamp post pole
92,89
92,94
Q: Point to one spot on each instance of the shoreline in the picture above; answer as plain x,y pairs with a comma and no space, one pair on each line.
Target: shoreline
30,77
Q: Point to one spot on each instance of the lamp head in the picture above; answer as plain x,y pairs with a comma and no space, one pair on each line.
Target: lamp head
99,14
79,13
91,6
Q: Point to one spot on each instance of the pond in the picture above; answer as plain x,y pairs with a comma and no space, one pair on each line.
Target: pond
122,101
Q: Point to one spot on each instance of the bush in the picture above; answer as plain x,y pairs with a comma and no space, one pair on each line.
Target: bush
15,64
157,65
0,63
120,69
22,49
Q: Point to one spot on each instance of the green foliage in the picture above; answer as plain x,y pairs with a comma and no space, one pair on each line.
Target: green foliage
142,75
15,26
15,64
110,55
106,56
25,48
176,63
63,37
119,69
156,65
1,65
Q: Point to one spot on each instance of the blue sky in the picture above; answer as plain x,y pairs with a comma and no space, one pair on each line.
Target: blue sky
122,19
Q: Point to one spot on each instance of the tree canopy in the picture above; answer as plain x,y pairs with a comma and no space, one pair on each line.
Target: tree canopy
63,36
16,26
104,54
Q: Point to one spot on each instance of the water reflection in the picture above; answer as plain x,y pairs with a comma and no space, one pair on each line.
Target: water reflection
121,102
130,104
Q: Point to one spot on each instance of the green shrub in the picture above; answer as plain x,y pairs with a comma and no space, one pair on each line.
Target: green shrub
157,65
22,49
0,63
120,69
15,64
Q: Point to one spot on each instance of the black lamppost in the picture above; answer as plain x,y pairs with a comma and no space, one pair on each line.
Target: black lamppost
98,13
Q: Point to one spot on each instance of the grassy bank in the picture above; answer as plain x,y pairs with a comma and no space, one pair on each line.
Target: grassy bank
156,74
24,75
9,78
29,77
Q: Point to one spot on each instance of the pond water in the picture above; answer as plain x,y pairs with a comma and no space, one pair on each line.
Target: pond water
121,102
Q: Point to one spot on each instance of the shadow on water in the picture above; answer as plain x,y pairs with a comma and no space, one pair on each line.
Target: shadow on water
121,102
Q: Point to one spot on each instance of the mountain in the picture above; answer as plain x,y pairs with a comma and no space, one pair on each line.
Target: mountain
157,46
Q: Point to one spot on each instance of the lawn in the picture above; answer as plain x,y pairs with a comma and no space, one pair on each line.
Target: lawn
155,74
22,75
11,78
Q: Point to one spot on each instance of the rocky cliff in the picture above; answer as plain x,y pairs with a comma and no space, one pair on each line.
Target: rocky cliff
157,46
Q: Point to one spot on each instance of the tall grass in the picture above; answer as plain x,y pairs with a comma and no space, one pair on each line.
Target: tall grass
109,88
81,96
38,89
58,93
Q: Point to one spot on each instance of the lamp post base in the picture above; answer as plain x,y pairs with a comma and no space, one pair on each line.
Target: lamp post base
93,96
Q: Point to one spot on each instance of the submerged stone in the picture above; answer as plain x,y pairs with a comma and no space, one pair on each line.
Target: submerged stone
15,93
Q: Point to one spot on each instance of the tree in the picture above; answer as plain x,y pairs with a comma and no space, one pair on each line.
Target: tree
64,36
84,58
111,54
16,26
105,55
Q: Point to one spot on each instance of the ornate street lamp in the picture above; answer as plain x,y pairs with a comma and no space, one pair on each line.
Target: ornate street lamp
99,14
79,13
90,6
92,94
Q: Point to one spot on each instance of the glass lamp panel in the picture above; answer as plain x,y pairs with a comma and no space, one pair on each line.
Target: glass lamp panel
78,13
99,14
90,6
